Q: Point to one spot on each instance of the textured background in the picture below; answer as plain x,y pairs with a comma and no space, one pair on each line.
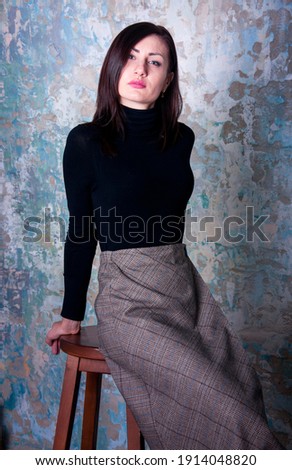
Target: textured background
235,70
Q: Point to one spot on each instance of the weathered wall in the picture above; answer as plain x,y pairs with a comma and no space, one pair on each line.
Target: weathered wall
235,70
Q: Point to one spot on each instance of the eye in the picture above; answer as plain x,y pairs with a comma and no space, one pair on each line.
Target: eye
155,62
131,57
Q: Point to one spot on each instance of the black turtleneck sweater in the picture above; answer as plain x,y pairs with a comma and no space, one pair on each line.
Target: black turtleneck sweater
135,199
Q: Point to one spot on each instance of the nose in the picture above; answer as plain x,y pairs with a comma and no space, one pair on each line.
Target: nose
141,69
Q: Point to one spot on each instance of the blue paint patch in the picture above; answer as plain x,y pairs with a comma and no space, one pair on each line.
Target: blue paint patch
275,100
204,200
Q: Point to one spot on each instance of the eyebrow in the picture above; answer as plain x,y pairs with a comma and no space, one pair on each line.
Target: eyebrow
150,53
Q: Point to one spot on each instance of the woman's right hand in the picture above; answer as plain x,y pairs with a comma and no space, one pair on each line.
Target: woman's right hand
59,328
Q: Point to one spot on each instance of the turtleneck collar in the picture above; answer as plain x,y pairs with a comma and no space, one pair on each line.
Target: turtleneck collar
141,121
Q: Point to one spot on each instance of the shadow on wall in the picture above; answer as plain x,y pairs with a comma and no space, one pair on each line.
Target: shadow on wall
4,441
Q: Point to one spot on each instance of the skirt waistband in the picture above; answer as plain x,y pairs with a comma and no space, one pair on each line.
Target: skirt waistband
154,252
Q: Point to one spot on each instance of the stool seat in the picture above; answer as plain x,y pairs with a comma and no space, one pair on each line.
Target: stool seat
83,355
83,345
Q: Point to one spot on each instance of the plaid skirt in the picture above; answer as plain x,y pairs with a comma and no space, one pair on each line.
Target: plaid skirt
173,356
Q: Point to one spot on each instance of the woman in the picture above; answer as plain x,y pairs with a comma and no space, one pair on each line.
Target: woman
128,179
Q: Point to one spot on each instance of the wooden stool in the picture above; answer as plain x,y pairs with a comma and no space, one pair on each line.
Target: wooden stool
84,356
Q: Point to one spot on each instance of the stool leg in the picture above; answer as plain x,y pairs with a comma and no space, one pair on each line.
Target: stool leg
91,411
67,404
135,438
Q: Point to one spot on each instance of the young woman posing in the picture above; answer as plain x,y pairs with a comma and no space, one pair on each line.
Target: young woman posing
171,351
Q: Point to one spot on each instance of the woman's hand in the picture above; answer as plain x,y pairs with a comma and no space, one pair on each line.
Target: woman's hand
59,328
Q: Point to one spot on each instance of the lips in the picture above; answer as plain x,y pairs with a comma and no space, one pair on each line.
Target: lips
137,84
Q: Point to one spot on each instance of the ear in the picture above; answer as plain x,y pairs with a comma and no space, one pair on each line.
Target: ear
168,80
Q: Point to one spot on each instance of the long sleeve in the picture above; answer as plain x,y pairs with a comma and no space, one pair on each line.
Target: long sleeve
80,245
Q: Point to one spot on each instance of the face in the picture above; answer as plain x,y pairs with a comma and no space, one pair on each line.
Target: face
145,74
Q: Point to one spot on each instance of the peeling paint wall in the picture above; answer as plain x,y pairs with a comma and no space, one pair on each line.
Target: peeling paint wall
235,67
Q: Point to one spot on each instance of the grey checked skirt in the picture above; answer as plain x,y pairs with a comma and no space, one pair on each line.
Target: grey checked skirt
173,355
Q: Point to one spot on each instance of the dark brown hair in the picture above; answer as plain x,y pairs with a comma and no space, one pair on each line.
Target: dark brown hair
109,114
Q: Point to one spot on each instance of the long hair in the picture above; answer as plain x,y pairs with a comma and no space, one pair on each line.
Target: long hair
109,114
